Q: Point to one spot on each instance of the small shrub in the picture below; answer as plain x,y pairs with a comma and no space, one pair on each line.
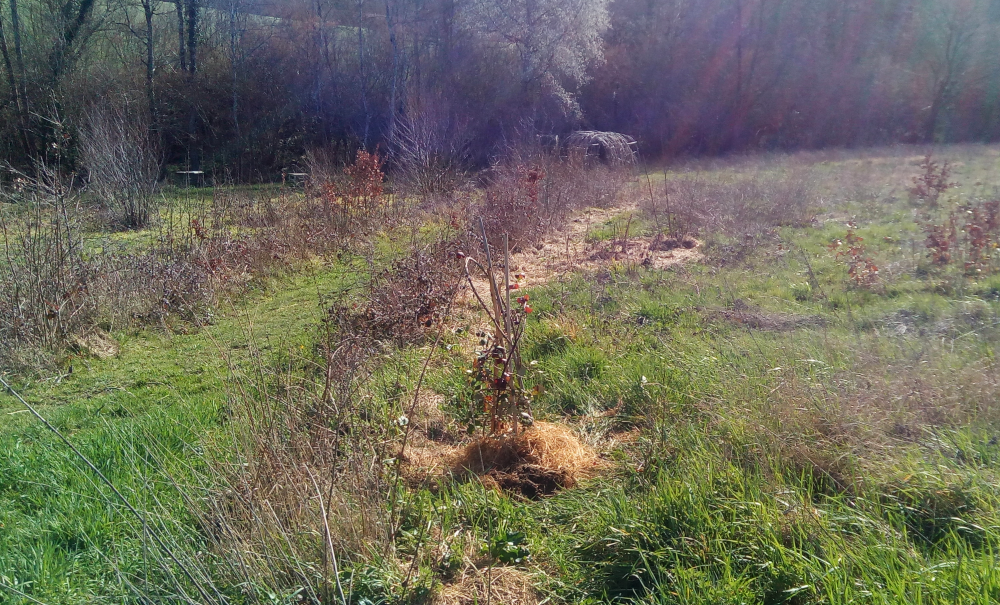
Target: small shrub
974,241
941,241
500,399
122,162
509,547
982,232
355,201
45,296
931,182
861,269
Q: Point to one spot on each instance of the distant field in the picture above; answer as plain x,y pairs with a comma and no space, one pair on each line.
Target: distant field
799,403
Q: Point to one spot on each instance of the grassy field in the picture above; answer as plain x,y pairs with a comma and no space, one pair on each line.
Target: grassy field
772,428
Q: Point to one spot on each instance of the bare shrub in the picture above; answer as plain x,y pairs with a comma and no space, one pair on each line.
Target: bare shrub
500,400
513,206
201,250
173,278
429,151
584,185
44,299
122,162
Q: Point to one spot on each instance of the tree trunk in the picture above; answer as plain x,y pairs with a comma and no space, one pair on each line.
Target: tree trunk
11,81
930,125
390,22
181,52
234,61
192,36
363,72
57,60
21,87
736,120
147,8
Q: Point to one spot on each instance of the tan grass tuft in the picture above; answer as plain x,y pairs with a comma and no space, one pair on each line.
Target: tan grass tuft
506,585
95,342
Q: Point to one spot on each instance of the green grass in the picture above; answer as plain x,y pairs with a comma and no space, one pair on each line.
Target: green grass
143,419
792,438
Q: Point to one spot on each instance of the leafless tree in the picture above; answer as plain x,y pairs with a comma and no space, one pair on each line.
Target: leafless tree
554,42
954,27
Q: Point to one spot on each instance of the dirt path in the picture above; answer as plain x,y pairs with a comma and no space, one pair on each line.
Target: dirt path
566,250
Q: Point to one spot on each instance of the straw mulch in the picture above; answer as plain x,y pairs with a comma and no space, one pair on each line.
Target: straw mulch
537,462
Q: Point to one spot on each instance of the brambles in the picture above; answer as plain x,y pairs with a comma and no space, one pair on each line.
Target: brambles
932,181
861,269
407,298
512,206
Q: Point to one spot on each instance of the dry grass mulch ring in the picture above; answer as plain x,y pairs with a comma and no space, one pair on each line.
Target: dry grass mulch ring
664,243
538,462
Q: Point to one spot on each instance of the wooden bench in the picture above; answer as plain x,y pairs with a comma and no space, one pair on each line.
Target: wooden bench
187,178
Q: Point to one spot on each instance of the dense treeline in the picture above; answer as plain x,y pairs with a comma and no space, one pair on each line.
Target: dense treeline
245,87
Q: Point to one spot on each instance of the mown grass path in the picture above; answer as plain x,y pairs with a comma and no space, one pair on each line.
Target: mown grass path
141,418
